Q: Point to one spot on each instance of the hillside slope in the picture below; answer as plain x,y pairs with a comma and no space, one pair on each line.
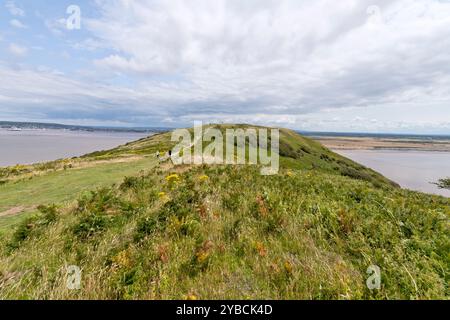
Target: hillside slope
211,232
24,187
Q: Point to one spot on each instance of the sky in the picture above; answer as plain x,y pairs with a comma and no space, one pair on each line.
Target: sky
323,65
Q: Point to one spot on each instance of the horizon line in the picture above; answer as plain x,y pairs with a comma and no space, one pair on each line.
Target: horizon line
308,132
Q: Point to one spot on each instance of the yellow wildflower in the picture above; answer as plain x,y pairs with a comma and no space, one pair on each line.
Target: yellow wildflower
288,267
163,196
123,259
202,256
173,178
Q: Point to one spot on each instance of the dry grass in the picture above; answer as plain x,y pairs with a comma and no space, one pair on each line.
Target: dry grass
236,234
226,232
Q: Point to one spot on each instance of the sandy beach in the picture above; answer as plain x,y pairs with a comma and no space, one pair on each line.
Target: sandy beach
371,143
414,163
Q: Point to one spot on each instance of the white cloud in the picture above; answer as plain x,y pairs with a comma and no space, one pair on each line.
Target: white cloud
294,54
273,61
17,24
17,50
89,44
14,9
56,26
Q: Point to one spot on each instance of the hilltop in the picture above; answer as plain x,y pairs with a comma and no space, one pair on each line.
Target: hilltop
219,232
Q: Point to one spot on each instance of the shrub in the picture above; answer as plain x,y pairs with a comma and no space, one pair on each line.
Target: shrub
356,174
286,150
135,183
444,183
147,226
22,232
50,214
90,225
231,201
129,183
99,202
305,150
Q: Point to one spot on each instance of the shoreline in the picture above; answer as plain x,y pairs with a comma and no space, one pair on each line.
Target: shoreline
339,143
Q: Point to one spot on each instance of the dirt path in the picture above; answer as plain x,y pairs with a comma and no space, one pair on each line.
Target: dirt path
15,210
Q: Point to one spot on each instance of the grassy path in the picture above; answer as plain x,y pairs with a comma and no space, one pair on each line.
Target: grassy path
61,186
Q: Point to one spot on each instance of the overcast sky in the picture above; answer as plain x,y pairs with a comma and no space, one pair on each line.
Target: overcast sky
323,65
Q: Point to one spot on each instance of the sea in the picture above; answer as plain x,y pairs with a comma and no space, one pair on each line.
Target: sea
415,170
28,146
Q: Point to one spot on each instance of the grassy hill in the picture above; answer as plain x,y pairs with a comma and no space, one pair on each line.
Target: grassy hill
211,232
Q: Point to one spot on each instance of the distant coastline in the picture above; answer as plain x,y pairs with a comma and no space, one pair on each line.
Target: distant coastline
425,143
400,136
11,125
333,140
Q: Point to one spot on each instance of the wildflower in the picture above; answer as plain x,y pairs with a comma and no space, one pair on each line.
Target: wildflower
288,267
262,207
123,259
202,256
261,249
203,178
290,173
274,267
175,224
173,178
163,196
202,211
163,253
191,297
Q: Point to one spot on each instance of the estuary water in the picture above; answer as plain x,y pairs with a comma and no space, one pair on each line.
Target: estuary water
415,170
37,145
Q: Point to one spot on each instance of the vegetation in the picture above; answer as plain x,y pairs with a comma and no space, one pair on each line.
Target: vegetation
127,153
22,196
444,183
226,232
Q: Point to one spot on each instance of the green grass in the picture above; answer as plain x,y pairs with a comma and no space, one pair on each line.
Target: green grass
226,232
8,223
63,186
236,235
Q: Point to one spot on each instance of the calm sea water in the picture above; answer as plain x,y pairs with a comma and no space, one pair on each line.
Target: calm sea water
31,146
413,170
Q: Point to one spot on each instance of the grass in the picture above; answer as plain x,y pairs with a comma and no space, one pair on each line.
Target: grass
226,232
8,223
62,186
298,235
